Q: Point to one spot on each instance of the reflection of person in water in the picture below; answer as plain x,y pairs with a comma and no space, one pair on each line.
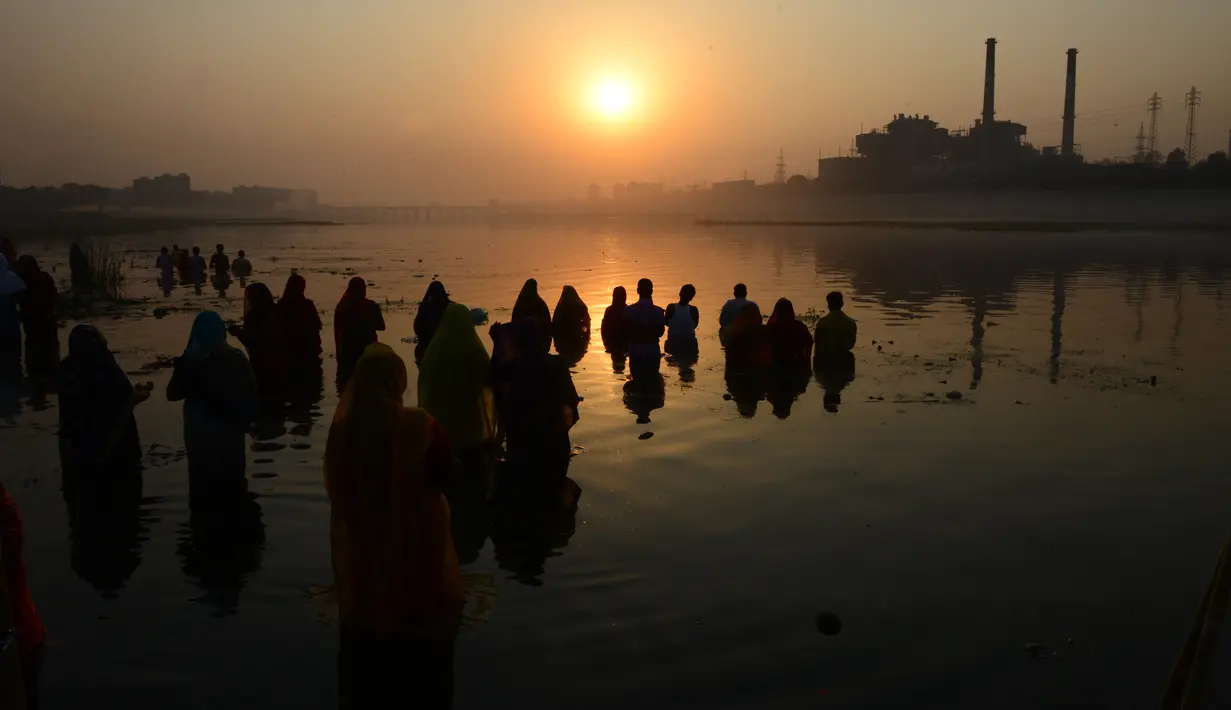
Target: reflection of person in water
106,524
38,317
537,402
531,306
528,527
747,384
264,336
11,288
98,432
787,382
836,332
645,324
834,372
395,568
454,383
427,319
682,321
643,395
25,624
355,322
215,383
222,545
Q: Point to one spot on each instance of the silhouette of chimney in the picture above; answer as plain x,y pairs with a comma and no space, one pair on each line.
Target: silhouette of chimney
989,84
1070,105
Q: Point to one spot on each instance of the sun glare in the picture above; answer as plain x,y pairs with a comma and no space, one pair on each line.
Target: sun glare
613,99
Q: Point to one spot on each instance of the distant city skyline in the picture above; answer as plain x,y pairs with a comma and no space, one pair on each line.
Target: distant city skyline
383,101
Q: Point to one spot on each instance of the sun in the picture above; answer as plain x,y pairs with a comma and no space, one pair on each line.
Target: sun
613,99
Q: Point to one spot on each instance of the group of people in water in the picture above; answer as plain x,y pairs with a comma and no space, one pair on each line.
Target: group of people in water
28,304
391,470
192,270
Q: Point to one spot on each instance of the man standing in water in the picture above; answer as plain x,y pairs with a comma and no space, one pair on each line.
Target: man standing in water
835,333
732,308
220,264
166,270
242,268
645,324
196,268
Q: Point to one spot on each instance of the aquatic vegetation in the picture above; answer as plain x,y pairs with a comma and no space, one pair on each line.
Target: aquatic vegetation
107,279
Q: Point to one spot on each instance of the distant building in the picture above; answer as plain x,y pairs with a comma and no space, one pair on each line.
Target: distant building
643,190
162,190
255,197
594,193
619,192
734,187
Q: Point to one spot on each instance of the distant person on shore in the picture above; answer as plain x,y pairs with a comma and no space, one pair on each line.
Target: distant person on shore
733,307
355,323
530,305
38,318
538,407
427,319
748,341
395,568
682,321
11,288
79,270
645,323
789,339
98,432
454,383
26,626
301,321
215,383
614,331
571,320
264,336
166,270
242,268
836,332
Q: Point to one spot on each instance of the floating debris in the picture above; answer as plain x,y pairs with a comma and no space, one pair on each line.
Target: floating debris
162,312
727,396
954,395
828,623
646,435
1038,651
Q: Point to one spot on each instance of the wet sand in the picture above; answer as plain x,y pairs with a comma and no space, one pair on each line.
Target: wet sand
1076,490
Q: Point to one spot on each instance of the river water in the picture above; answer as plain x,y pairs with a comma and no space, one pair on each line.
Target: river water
1076,496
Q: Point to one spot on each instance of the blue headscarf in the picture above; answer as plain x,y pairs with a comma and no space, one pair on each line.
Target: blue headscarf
208,332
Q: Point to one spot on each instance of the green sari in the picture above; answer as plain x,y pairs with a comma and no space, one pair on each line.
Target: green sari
454,381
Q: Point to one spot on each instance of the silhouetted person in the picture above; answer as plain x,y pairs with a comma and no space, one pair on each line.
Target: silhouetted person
301,324
836,332
355,323
733,307
395,567
747,342
242,268
215,383
38,318
220,264
264,336
11,288
530,305
645,324
98,432
834,372
571,321
614,332
79,270
455,383
537,402
682,321
427,319
789,339
27,627
166,271
196,267
181,263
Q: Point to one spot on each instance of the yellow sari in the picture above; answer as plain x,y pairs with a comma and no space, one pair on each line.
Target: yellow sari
395,567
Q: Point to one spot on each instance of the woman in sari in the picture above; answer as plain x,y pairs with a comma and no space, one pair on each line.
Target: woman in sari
454,382
355,322
571,321
427,320
395,568
79,269
615,337
747,341
98,432
264,336
790,340
531,306
20,612
301,321
38,317
215,383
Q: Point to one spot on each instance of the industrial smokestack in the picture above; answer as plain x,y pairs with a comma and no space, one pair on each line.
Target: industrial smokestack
1070,105
989,85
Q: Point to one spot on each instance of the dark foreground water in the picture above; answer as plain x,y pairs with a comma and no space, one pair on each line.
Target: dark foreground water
1077,496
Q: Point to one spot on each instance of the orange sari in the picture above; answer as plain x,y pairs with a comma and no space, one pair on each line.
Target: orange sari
395,567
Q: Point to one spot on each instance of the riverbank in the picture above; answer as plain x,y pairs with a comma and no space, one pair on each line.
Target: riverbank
983,226
84,225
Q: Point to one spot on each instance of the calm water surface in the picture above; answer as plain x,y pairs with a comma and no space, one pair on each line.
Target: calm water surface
1078,490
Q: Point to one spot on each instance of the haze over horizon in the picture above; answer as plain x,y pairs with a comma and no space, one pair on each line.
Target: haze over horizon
386,101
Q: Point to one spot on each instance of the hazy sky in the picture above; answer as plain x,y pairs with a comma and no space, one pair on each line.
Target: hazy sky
461,100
